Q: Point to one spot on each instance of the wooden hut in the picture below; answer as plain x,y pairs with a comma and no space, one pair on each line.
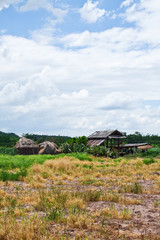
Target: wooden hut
109,138
26,146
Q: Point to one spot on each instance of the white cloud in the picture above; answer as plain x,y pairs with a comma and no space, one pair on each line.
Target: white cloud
57,90
7,3
45,4
118,100
146,16
82,94
126,3
90,12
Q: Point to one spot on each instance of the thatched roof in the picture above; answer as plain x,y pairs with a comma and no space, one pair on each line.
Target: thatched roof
48,148
26,143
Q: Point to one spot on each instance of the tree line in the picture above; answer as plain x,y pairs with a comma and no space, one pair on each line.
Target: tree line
10,139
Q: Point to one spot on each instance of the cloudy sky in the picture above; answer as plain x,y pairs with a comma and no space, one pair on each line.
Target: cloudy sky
70,67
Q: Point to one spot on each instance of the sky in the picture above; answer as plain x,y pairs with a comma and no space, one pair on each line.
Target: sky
72,67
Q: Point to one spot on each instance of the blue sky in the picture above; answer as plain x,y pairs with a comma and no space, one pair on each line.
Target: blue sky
14,20
72,67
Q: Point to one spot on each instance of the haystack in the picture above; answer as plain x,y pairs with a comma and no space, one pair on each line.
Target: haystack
26,146
48,148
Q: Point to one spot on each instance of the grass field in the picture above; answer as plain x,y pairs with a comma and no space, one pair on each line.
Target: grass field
78,196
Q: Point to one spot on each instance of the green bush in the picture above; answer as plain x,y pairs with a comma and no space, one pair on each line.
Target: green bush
8,151
149,161
75,145
153,152
66,148
99,151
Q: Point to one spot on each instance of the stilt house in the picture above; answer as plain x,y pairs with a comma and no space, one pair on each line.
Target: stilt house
109,138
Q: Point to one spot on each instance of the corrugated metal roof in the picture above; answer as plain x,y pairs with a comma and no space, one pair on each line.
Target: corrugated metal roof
92,143
135,144
104,134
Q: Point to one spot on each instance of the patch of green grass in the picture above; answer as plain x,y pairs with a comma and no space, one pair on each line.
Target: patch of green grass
87,166
10,176
81,156
117,160
102,166
149,161
99,160
22,162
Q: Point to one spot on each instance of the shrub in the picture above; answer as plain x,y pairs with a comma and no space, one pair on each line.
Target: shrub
75,145
99,151
149,161
9,151
66,148
153,152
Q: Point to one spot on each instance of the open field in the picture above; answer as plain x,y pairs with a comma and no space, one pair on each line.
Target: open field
77,196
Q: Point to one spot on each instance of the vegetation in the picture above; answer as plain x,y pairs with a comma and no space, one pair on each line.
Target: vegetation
59,140
8,150
138,137
78,144
8,139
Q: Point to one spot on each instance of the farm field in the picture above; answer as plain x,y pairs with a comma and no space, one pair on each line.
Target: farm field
78,196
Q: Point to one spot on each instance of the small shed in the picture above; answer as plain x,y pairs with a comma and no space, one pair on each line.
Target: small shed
132,147
26,146
109,138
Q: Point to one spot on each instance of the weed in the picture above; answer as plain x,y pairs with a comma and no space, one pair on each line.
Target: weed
156,203
89,196
114,213
88,181
133,188
87,166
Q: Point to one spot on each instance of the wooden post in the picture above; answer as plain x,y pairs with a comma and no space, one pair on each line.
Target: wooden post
118,146
111,143
107,142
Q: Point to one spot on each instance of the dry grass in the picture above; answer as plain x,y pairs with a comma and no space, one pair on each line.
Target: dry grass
114,213
77,197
